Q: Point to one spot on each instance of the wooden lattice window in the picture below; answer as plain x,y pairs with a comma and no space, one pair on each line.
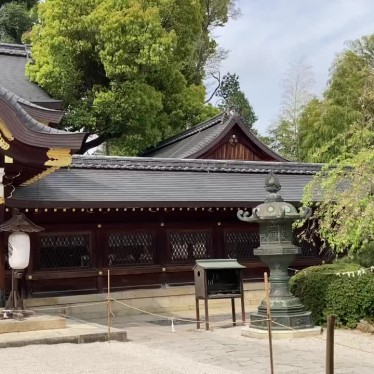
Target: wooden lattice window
187,246
240,244
129,248
64,251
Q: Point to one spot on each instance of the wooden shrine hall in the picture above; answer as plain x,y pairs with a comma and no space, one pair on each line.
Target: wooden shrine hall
147,219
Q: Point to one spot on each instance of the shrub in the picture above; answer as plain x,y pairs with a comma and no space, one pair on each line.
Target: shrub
324,293
365,257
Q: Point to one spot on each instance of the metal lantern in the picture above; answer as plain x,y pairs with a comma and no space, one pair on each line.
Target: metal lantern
277,251
18,257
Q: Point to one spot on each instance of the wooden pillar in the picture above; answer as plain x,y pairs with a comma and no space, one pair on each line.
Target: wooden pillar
2,236
233,311
2,259
162,255
197,313
99,255
218,241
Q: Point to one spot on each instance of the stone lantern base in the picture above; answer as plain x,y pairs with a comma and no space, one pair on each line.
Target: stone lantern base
249,332
289,320
286,311
282,320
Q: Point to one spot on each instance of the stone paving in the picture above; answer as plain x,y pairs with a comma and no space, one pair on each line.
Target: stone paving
225,348
154,348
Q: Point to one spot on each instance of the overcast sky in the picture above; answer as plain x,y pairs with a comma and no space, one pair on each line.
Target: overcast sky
272,33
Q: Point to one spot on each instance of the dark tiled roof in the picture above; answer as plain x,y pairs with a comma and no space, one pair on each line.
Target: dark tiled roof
190,141
13,49
41,113
13,58
203,165
198,139
125,182
27,130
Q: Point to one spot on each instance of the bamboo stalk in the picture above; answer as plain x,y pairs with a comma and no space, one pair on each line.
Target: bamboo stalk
267,293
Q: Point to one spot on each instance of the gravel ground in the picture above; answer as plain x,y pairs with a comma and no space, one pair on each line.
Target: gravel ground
154,348
108,358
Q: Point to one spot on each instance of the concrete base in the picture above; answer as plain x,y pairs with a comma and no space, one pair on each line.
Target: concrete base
250,332
119,336
76,331
34,323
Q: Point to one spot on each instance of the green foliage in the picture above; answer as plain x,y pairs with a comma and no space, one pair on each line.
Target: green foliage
188,107
234,98
339,129
325,293
347,105
15,19
345,211
215,13
28,3
365,258
282,137
130,69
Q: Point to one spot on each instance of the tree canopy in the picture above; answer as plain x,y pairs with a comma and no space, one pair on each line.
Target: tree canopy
131,69
344,216
234,98
29,3
15,19
341,131
347,104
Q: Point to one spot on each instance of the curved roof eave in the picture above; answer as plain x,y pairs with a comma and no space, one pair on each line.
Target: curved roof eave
27,130
41,113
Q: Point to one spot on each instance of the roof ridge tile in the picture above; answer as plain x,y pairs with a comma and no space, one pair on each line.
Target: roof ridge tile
196,165
13,49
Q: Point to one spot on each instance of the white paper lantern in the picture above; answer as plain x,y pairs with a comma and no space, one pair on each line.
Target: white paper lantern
19,250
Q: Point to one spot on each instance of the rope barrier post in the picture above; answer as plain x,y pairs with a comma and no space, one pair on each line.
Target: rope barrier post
330,344
109,311
267,296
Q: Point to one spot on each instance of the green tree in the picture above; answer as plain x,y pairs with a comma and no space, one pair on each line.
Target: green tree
234,98
345,187
347,104
284,132
345,212
15,19
215,13
28,3
129,70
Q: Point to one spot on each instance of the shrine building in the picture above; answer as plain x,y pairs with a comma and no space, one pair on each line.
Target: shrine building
148,218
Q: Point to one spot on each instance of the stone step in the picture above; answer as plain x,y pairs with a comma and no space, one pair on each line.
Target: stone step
32,323
161,300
